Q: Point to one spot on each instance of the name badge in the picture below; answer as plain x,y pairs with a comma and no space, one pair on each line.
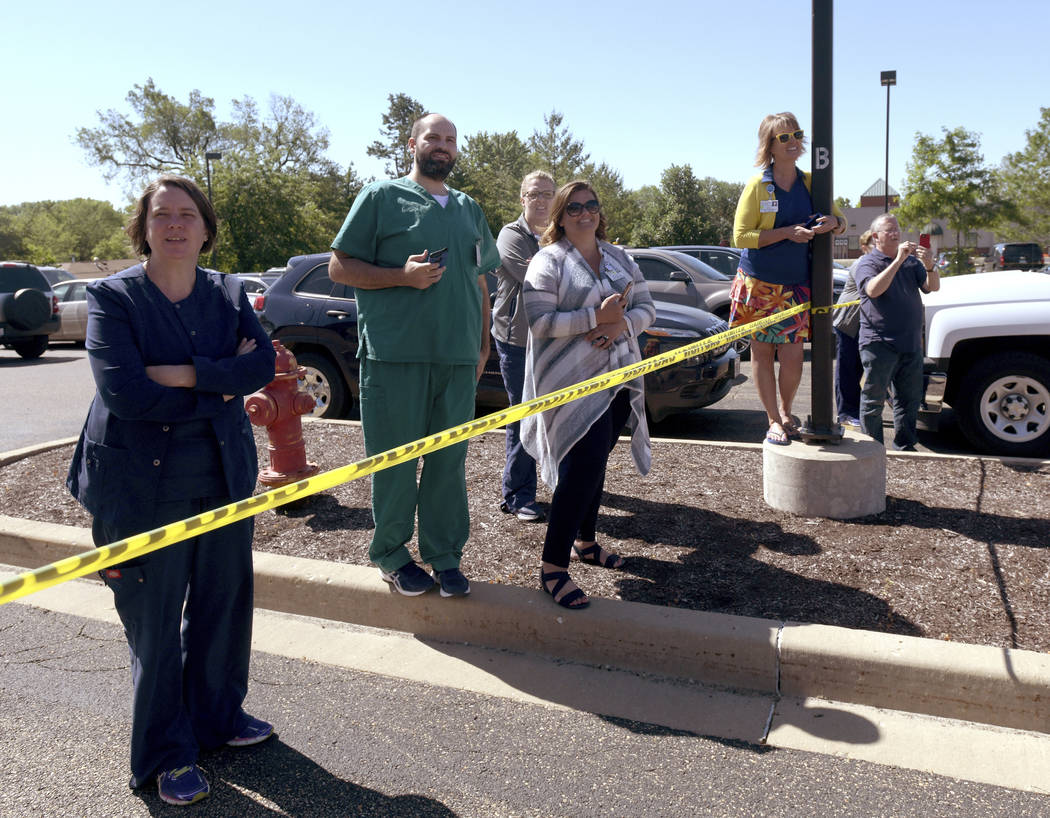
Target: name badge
768,206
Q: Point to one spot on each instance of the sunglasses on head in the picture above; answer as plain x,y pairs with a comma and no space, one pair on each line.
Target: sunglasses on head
575,208
784,137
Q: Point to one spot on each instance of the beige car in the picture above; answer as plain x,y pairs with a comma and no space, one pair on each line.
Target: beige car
72,306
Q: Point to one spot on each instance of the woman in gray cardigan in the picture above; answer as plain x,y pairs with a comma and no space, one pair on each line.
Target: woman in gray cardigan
586,303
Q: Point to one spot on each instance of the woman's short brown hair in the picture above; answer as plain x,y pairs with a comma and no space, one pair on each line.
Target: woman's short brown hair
555,231
136,228
767,131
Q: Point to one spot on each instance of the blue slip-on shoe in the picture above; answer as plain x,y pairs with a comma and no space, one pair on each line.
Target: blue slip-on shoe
254,732
409,579
453,583
186,785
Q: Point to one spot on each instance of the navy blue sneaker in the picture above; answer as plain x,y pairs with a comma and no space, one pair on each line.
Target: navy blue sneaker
255,731
409,579
186,785
453,583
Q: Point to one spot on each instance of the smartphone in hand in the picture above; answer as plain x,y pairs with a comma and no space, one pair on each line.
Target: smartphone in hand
924,240
626,290
812,220
438,257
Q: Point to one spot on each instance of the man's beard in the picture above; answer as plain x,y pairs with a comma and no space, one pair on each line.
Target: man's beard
438,169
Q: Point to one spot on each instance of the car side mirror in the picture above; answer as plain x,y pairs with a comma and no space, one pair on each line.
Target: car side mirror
678,275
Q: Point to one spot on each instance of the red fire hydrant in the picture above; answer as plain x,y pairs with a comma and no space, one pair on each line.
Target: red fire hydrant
277,406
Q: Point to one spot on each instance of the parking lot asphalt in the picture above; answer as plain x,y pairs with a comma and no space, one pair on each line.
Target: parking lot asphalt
372,722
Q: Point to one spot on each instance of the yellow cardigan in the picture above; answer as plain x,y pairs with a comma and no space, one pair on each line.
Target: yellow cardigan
750,220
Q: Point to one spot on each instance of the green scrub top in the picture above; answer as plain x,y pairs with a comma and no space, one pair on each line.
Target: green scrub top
392,220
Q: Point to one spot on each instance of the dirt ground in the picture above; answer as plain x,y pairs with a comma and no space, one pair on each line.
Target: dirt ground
960,552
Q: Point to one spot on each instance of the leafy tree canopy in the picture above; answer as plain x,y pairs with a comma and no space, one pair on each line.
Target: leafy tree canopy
947,179
1024,179
396,130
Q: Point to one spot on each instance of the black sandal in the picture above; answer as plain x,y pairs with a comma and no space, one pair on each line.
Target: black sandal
568,599
592,555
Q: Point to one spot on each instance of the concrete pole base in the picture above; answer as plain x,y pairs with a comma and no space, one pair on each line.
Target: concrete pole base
840,481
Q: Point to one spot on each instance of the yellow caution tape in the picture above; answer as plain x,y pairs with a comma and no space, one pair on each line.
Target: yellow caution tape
141,544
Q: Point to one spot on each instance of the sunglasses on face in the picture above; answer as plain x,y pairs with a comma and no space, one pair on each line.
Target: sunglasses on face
784,137
545,195
575,208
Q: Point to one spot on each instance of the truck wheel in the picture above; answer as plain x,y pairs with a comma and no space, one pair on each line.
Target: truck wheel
31,347
1004,404
324,383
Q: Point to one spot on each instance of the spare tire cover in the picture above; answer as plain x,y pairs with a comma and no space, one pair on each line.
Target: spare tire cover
28,309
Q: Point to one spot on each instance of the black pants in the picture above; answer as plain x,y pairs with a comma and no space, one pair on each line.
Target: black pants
581,479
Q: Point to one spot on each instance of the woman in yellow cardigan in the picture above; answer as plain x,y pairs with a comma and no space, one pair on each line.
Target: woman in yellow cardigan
775,222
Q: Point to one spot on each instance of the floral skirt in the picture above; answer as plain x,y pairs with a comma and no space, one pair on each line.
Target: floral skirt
753,299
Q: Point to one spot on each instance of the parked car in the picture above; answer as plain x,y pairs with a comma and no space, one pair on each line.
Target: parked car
724,259
988,357
1014,255
254,283
316,319
72,306
55,274
28,309
727,260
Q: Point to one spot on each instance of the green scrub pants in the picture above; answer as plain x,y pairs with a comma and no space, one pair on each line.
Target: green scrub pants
402,402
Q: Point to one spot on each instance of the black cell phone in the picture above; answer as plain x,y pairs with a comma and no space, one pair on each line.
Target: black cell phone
438,257
812,220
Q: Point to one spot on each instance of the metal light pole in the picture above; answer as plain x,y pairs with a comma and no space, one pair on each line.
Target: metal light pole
888,78
208,156
820,425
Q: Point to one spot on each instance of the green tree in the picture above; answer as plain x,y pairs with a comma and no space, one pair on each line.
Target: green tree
275,192
686,210
842,202
621,211
1024,180
556,151
947,179
490,168
51,232
169,136
396,130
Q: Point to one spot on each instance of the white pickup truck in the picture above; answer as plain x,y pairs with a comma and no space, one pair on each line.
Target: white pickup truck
988,357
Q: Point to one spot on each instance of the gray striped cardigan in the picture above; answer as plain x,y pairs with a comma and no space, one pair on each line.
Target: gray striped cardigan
561,296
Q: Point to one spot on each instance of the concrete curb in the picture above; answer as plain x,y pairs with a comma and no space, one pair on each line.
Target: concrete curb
975,683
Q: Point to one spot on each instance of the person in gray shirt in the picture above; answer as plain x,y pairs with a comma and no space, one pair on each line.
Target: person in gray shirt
518,242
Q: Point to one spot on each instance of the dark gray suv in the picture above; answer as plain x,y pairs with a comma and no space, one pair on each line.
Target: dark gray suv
1014,255
28,309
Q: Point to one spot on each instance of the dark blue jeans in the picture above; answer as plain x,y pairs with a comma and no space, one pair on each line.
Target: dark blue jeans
848,370
519,471
884,365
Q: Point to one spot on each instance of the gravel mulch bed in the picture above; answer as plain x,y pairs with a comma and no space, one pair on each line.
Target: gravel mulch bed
961,552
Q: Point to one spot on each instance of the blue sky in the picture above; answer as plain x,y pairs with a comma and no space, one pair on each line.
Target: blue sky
644,85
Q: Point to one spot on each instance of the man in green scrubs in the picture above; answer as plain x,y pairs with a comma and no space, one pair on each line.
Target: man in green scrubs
417,251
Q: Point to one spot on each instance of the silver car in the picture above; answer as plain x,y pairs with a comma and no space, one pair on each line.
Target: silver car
72,306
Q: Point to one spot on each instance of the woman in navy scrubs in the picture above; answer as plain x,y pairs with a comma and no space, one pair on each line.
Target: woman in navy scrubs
173,348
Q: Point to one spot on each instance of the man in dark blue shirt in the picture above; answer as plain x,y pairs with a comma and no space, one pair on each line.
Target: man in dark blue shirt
891,318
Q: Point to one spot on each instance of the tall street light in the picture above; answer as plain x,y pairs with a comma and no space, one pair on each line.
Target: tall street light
888,78
208,157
